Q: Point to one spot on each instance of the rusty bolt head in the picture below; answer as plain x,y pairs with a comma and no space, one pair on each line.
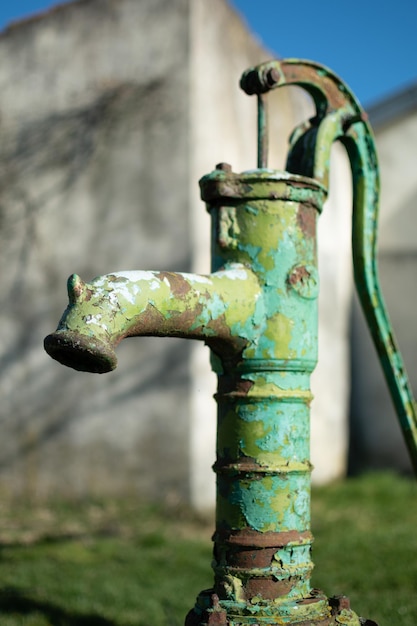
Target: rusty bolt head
338,603
225,167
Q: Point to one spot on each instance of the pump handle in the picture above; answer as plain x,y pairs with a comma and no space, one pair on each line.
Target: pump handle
339,116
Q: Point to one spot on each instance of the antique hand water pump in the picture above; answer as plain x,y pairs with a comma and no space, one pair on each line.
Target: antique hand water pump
257,311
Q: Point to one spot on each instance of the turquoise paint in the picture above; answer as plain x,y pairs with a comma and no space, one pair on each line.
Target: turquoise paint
285,427
262,502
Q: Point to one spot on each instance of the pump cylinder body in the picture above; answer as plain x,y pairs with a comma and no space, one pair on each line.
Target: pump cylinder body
266,221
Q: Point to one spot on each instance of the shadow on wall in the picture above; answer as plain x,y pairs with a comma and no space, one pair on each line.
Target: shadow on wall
146,377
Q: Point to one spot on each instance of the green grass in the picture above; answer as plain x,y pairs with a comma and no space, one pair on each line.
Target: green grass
366,546
102,564
124,563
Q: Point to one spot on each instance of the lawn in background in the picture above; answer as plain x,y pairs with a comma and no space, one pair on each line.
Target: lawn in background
127,563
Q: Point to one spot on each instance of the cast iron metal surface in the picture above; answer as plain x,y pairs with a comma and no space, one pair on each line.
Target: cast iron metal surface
257,311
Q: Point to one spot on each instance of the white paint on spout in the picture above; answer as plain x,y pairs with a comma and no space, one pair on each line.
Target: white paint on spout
198,278
134,276
154,284
234,273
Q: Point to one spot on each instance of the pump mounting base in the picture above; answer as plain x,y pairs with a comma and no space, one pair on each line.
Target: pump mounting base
338,611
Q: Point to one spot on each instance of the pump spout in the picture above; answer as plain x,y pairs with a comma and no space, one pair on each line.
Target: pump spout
100,314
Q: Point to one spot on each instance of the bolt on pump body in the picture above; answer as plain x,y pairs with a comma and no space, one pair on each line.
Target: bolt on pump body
257,311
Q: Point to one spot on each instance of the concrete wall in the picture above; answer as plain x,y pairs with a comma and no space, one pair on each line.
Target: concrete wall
111,110
94,164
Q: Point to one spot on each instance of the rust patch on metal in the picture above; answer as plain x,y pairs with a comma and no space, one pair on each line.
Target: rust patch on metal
185,320
215,615
252,538
338,603
299,274
307,220
179,286
234,385
268,588
217,618
150,318
247,466
227,347
247,558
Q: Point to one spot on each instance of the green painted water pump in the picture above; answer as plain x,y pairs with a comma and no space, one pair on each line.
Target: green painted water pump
257,311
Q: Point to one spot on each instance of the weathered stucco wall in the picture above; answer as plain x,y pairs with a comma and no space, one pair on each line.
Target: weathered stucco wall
111,110
94,165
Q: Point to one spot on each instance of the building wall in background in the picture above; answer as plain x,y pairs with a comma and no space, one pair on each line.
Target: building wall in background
111,110
94,164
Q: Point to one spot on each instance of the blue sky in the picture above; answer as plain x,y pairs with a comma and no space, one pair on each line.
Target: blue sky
371,44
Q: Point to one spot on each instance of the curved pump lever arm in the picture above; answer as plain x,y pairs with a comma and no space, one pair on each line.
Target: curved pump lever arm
360,148
339,116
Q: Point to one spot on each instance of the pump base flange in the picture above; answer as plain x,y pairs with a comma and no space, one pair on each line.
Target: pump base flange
339,613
